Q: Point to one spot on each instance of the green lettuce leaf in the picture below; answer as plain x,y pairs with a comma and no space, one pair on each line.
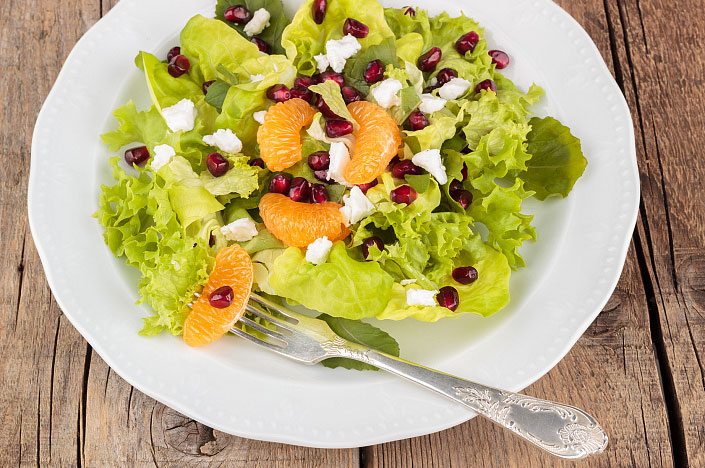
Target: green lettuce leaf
272,34
356,65
164,89
241,178
147,127
330,92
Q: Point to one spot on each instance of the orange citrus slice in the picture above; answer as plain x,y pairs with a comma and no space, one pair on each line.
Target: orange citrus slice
279,137
206,323
377,142
298,224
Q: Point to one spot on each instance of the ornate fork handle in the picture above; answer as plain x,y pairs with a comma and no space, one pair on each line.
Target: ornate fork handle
562,430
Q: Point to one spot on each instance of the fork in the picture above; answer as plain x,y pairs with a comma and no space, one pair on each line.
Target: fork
562,430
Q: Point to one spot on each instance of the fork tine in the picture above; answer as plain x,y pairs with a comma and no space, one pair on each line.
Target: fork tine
260,312
255,340
261,329
275,307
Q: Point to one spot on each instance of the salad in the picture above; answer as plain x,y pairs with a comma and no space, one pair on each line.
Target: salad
361,161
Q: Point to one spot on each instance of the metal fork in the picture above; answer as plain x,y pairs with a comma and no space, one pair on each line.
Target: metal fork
559,429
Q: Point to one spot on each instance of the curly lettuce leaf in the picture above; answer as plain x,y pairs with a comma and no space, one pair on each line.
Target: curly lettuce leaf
147,127
241,178
272,34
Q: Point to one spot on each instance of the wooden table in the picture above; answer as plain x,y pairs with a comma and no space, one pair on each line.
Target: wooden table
638,368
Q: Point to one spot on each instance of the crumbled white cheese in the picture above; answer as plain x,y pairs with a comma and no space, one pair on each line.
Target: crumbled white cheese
356,206
259,21
162,156
259,116
454,88
339,159
434,81
337,52
180,116
240,230
256,78
385,93
430,160
421,297
225,140
431,103
404,282
318,250
177,265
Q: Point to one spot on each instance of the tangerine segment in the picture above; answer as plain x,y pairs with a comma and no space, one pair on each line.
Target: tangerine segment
279,137
298,224
377,142
206,323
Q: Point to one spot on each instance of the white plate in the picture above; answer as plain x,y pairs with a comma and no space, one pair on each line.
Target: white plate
240,389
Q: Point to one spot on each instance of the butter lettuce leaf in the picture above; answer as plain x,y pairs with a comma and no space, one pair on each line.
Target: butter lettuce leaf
164,89
272,34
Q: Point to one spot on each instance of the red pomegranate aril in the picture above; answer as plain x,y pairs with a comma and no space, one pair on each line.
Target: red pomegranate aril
499,58
466,150
319,193
173,52
467,42
178,66
238,14
217,164
365,187
428,61
464,199
318,10
331,75
454,188
280,183
403,194
355,28
263,46
302,93
207,85
448,297
319,161
445,75
369,242
322,175
351,94
404,168
410,11
323,108
374,72
279,93
464,172
304,82
300,189
221,297
338,128
418,121
138,156
465,275
487,85
259,162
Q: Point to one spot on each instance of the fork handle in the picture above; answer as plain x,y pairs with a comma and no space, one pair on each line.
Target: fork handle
562,430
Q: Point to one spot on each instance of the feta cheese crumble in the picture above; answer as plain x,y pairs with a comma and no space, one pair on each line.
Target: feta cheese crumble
225,140
318,250
259,21
421,297
180,116
430,160
454,89
339,159
259,116
240,230
337,52
431,103
356,206
386,93
162,156
256,78
404,282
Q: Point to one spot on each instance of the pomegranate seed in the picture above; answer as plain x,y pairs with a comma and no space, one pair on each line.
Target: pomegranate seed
445,75
448,297
499,58
331,75
178,66
259,162
261,45
369,242
279,93
221,297
467,42
207,85
418,121
138,156
465,275
319,193
487,85
351,94
355,28
410,11
464,199
374,71
280,183
323,108
466,150
322,175
403,194
304,82
464,172
428,61
454,188
173,52
318,10
429,89
300,189
337,128
404,168
302,93
319,161
365,187
238,14
217,164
